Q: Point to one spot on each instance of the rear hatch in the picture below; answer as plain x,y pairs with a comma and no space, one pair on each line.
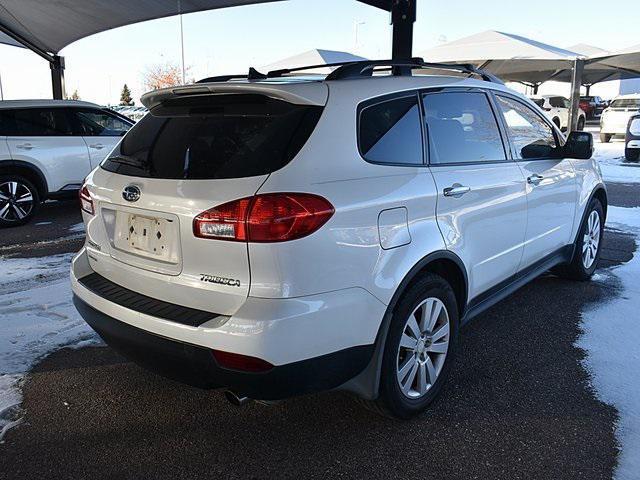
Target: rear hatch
190,154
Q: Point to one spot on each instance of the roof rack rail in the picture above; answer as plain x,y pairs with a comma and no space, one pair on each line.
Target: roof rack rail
365,68
252,75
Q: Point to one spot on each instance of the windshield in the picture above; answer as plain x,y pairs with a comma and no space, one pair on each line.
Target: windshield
214,136
626,103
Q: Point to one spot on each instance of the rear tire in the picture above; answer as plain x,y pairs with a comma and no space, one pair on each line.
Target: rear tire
588,246
581,122
19,200
632,154
605,137
419,349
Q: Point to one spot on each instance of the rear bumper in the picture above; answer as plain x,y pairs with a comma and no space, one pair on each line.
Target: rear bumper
196,366
315,343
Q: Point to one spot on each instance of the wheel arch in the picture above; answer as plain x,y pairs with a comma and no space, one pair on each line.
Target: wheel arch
27,170
442,262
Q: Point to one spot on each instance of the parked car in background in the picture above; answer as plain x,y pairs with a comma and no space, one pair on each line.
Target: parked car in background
291,235
557,109
615,118
47,148
632,139
592,106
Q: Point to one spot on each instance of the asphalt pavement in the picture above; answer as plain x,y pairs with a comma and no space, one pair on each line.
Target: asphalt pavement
517,406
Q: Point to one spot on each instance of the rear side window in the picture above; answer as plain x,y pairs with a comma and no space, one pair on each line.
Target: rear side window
35,122
389,132
100,124
558,102
461,128
214,137
530,135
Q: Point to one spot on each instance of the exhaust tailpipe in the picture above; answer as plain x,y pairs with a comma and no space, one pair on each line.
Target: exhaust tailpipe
234,399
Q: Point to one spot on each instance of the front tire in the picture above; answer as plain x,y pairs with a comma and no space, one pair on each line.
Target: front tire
581,122
605,137
419,349
586,252
19,200
632,154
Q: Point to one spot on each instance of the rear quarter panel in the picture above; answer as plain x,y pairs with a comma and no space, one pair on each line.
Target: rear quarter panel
346,252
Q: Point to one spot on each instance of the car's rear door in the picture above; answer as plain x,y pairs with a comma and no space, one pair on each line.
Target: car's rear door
44,137
551,180
482,208
101,130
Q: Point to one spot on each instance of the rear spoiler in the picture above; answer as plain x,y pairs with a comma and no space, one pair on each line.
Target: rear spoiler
303,93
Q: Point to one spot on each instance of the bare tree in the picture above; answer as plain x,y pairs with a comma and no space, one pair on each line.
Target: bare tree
162,75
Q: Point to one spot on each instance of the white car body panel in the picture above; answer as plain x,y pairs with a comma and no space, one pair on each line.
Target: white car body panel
63,160
614,121
550,207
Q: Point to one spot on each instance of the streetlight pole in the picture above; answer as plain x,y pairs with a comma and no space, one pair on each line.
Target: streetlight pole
356,24
182,49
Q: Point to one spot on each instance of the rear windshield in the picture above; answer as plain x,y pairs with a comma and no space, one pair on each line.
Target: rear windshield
214,137
626,103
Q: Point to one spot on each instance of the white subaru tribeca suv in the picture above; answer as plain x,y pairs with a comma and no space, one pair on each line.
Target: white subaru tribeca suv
282,235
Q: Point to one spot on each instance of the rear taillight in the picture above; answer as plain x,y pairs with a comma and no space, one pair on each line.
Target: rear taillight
243,363
270,217
86,203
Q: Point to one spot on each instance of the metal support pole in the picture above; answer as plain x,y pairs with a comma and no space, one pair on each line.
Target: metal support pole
57,77
403,16
535,88
588,87
576,82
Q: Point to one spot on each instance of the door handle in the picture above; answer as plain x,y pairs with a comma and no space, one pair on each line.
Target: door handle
25,146
535,179
456,190
97,146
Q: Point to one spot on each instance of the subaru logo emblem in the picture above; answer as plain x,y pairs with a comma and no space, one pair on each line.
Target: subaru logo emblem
131,193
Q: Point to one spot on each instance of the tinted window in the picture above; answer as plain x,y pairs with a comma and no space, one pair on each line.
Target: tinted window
215,136
531,136
390,132
558,102
626,103
99,123
539,102
461,128
34,122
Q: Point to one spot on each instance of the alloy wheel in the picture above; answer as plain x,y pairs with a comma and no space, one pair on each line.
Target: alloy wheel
423,348
16,201
591,240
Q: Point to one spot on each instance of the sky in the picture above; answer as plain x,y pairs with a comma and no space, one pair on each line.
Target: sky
230,40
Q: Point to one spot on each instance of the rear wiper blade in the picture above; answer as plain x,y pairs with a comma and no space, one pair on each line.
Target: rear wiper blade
134,162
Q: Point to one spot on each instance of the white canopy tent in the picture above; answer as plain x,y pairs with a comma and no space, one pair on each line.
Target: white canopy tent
511,57
313,57
519,59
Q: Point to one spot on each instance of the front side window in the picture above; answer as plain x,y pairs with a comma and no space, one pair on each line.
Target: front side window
96,123
461,128
531,136
34,122
389,132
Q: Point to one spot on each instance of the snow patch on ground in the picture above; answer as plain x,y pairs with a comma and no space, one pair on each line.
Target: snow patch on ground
37,317
615,168
611,338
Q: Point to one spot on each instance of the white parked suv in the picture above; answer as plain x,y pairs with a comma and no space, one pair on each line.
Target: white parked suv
557,109
615,117
47,148
286,235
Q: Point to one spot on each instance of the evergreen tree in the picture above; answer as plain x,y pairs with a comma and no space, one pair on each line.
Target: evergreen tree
125,96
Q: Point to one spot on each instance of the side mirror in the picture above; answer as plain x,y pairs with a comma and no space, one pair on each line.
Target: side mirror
579,145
